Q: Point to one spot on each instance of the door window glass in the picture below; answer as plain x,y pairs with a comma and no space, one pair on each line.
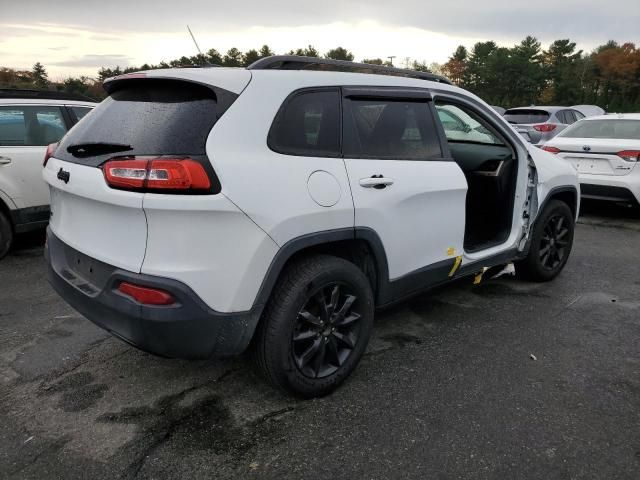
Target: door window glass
390,129
31,125
461,125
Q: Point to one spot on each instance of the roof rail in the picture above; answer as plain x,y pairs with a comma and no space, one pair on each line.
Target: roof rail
294,62
44,94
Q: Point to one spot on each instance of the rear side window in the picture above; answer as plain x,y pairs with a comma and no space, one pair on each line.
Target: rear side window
566,116
390,129
526,116
79,112
35,126
146,117
308,124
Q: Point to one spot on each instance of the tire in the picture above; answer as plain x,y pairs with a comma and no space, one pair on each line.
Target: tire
551,244
295,329
6,234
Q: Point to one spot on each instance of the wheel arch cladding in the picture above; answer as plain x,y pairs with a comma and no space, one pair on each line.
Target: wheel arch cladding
568,195
362,247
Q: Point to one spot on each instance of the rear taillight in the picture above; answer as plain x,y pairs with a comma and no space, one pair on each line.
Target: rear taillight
549,149
51,150
177,174
630,155
545,127
146,295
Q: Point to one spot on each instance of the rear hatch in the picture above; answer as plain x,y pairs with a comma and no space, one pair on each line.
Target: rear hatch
146,117
525,121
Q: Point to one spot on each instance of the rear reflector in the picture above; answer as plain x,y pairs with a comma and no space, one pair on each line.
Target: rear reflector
630,155
545,127
146,295
51,149
551,149
156,174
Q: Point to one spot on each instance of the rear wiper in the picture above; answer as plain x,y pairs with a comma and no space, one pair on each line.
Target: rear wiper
82,150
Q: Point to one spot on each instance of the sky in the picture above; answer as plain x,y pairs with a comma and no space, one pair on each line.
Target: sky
78,37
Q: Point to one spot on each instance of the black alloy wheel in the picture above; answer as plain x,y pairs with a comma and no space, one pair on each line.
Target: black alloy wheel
550,244
326,330
554,242
316,326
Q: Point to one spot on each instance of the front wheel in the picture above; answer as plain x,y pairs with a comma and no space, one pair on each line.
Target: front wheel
316,326
551,243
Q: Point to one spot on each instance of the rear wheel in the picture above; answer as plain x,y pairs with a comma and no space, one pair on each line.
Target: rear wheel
316,326
6,234
551,244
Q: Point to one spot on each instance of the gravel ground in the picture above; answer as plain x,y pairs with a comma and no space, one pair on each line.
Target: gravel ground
503,380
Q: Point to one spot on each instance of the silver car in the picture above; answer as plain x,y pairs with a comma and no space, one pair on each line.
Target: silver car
540,124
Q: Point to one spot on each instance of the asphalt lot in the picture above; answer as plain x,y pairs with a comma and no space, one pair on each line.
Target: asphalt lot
504,380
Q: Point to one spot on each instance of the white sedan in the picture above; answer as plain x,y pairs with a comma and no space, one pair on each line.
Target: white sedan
605,150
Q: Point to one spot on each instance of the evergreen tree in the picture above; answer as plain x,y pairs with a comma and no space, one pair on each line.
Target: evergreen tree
40,77
339,53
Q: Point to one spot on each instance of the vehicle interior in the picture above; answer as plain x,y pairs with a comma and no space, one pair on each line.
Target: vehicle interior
489,164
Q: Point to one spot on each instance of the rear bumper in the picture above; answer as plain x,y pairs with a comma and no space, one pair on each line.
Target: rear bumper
616,188
187,329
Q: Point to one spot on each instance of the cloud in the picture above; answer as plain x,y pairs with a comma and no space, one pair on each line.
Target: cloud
72,40
104,60
582,20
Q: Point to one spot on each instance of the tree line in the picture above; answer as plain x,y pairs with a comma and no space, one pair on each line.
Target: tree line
527,74
524,74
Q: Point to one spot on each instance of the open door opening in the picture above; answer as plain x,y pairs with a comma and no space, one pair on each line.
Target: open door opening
490,166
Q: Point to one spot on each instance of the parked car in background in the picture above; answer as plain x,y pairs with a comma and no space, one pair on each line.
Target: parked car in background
605,150
589,110
540,124
202,211
498,109
30,120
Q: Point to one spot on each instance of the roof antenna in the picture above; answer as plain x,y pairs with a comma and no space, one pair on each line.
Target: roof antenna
194,40
204,59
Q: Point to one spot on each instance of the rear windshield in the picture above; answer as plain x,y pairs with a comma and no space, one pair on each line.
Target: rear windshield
526,116
144,117
622,129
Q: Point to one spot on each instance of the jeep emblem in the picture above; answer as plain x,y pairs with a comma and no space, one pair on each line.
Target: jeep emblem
63,175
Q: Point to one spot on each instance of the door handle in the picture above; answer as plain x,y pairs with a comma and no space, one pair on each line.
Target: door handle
4,160
376,181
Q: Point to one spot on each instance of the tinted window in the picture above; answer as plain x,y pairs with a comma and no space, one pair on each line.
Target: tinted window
462,125
80,112
561,117
390,129
308,124
152,117
567,117
31,125
523,116
578,114
621,129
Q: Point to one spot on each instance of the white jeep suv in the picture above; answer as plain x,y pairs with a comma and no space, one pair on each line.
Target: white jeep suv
30,120
203,211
